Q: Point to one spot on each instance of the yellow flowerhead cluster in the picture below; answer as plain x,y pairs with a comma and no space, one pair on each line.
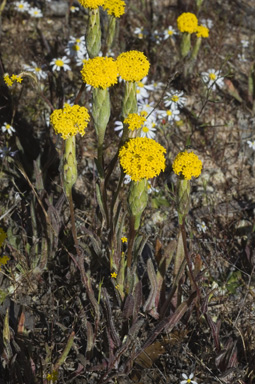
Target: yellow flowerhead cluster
100,72
10,80
188,164
187,22
133,65
202,31
114,7
70,120
93,4
134,121
3,260
142,158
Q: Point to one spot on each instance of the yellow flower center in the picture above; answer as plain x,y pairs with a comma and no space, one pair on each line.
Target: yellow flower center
76,47
7,126
37,69
169,113
175,98
59,63
20,6
145,129
140,84
212,76
170,32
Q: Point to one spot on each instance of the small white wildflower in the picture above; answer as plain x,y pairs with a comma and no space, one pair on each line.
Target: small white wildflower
207,23
35,12
74,9
140,32
60,63
251,144
241,57
156,37
76,48
174,98
245,43
36,69
146,109
148,129
142,89
151,189
21,6
169,32
170,114
202,227
188,379
213,78
119,127
127,179
7,128
157,85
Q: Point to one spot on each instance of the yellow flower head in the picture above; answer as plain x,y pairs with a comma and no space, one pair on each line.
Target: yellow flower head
70,120
93,4
202,31
100,72
114,275
134,121
124,239
187,22
4,260
142,158
114,7
10,80
188,164
133,65
2,236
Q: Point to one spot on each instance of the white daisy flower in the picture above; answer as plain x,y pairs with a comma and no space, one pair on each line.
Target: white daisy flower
188,379
151,188
245,43
37,70
213,78
241,57
170,114
74,9
76,48
7,152
156,37
157,85
140,32
251,144
207,23
60,63
127,179
142,89
148,129
21,6
7,128
202,227
169,32
174,99
35,12
146,109
118,127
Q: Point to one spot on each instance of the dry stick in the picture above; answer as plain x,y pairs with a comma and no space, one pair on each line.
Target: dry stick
187,255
